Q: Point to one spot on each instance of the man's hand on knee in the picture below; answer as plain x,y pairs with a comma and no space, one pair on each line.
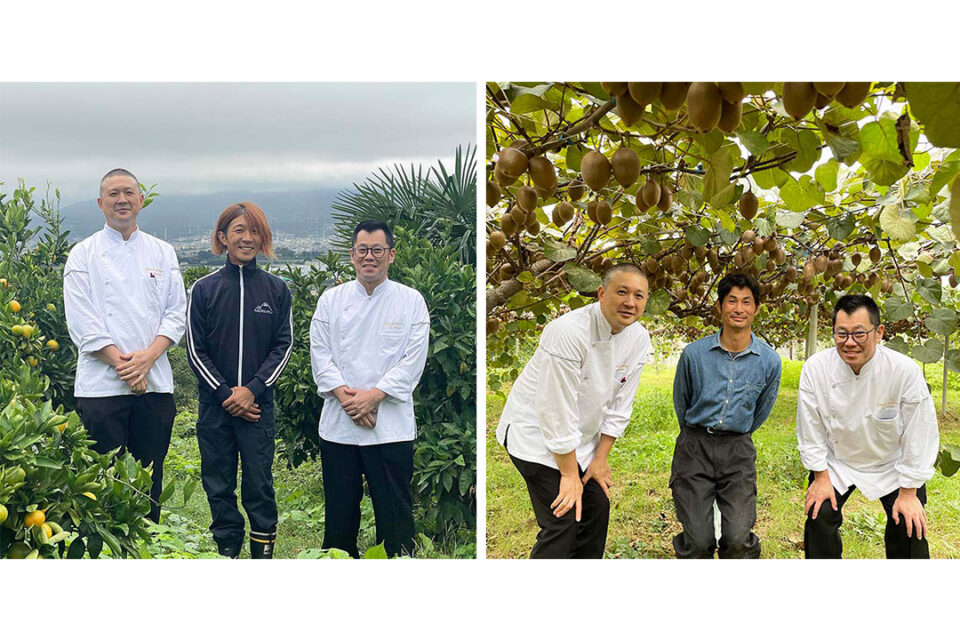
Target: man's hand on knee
569,497
819,491
908,506
599,471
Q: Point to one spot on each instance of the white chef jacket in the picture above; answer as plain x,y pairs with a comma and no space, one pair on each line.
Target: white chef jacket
125,293
579,384
876,430
364,342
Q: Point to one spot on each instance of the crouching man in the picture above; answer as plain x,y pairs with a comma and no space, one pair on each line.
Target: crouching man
865,419
568,406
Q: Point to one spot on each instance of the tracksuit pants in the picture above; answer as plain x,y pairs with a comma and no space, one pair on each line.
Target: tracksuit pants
223,439
388,469
564,537
719,467
821,537
139,424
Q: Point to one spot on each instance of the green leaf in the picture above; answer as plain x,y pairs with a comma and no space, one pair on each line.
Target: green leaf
898,344
953,360
896,309
697,235
899,224
47,463
525,277
76,549
937,106
948,460
955,207
717,177
942,322
881,152
557,251
167,492
845,147
762,226
789,219
574,156
754,141
726,222
945,173
770,178
802,194
807,145
378,552
841,226
928,352
658,303
826,175
930,290
582,279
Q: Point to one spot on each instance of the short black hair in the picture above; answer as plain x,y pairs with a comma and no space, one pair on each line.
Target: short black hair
370,226
741,280
853,301
117,172
623,267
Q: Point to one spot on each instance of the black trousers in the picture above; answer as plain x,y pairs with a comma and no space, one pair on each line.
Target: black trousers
821,537
222,440
721,467
564,537
388,469
139,424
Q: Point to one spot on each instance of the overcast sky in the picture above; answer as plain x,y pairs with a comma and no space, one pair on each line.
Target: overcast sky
207,137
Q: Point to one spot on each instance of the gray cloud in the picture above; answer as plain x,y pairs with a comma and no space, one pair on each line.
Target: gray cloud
205,137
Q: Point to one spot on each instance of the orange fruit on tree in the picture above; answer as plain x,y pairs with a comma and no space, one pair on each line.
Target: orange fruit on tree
50,307
53,345
14,306
27,330
3,514
31,361
47,530
3,283
35,518
16,330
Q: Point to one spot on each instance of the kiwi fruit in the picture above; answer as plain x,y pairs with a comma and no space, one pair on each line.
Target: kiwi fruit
952,280
853,94
542,173
644,92
748,236
519,215
770,244
673,95
651,266
704,105
529,219
545,193
856,259
809,270
731,91
738,259
507,224
875,255
798,98
534,227
527,198
511,163
556,218
829,89
615,89
606,264
493,194
497,240
748,205
595,170
730,113
779,256
747,253
604,212
492,325
626,166
565,210
650,194
630,111
592,211
575,190
502,180
666,200
791,273
821,262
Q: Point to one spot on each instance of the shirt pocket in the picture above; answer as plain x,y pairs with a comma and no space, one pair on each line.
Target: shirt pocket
873,445
153,288
391,338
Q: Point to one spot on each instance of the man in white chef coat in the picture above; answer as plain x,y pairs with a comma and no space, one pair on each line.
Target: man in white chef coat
865,419
568,406
368,347
125,306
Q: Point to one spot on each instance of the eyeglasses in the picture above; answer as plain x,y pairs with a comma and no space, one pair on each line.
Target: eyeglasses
858,336
376,251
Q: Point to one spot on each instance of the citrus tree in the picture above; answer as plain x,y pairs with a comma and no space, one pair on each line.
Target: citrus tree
815,188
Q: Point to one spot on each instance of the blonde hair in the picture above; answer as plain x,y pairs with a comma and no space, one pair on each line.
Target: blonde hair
255,217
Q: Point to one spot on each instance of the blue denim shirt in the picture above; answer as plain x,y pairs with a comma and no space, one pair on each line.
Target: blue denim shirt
724,391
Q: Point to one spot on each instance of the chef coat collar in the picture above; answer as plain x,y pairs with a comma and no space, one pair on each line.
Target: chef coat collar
752,348
233,270
601,328
116,236
377,291
867,367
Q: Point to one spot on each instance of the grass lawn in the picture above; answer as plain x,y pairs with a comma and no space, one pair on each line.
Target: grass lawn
642,517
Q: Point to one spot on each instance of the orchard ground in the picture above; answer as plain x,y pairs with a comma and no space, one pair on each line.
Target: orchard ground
642,518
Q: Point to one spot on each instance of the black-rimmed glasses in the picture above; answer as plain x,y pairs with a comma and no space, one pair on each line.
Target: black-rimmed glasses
858,336
377,252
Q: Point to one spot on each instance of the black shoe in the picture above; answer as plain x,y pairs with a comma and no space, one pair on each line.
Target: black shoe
230,550
261,550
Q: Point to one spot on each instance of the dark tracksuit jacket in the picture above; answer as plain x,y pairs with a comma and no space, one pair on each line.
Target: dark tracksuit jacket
239,333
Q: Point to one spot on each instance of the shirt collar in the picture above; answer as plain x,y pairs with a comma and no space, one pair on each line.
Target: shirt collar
115,236
601,328
752,348
867,367
377,291
233,270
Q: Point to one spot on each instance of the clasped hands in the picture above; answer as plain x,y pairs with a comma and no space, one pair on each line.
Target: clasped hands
133,368
360,404
241,404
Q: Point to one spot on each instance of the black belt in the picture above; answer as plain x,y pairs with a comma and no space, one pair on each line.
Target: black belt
716,432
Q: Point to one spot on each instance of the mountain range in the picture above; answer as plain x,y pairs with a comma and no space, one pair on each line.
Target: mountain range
173,217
